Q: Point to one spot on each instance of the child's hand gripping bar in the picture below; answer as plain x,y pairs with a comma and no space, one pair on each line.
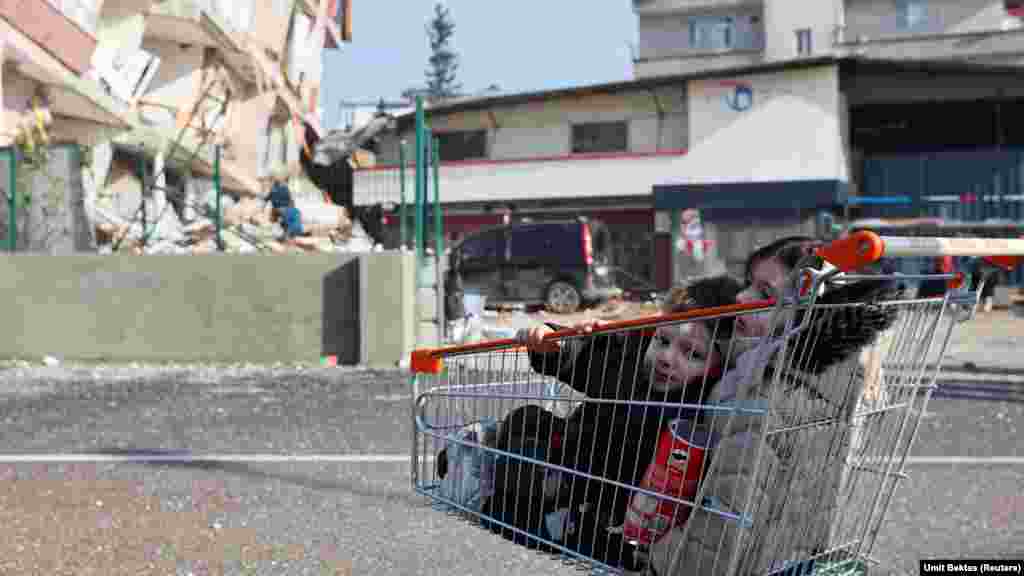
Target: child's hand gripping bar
431,360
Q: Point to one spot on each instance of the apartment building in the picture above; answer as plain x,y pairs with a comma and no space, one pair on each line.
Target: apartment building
683,36
208,75
189,88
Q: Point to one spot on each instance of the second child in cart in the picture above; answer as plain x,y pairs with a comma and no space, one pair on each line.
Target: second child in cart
803,381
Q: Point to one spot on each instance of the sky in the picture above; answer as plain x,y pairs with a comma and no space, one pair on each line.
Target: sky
520,46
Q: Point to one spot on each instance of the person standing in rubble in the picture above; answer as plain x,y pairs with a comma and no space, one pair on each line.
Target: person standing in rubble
283,209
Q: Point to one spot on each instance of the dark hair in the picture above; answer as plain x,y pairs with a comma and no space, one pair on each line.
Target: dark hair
706,292
789,250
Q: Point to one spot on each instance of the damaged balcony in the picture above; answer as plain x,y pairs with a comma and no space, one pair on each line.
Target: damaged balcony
188,23
35,78
49,28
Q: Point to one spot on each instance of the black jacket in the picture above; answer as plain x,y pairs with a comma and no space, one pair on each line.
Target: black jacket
518,509
611,441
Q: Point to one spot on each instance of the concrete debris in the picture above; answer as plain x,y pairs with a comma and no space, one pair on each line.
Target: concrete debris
248,225
339,144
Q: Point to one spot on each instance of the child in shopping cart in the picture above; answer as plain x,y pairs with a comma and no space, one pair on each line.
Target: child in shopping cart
663,375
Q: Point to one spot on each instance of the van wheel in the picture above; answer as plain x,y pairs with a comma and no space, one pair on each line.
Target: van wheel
563,298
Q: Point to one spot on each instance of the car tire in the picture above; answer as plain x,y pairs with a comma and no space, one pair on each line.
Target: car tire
562,298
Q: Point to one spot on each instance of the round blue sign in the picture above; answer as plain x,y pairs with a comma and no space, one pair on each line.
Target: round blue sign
740,98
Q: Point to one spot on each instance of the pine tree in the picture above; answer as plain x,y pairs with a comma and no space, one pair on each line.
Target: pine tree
444,62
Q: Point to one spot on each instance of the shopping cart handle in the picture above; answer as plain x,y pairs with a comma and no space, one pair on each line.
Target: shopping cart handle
431,360
1007,263
865,247
854,251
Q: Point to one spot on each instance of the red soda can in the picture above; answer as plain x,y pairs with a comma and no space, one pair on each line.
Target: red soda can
675,471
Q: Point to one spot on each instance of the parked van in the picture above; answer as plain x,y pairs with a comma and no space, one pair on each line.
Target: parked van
563,265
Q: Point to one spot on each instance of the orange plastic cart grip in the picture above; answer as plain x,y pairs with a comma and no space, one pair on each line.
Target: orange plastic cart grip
854,251
426,361
957,281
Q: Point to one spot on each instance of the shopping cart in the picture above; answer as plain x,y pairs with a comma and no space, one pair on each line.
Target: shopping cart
784,464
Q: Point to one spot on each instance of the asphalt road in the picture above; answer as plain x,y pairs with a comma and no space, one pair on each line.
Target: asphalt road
363,513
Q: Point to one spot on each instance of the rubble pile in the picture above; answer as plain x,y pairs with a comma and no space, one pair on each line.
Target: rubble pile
248,225
274,222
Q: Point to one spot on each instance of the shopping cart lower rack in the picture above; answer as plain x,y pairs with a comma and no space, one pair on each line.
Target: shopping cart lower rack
775,454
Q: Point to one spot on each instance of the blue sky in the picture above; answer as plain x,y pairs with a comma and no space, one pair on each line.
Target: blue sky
524,45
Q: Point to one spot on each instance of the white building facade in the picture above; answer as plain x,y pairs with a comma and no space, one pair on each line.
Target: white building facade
754,112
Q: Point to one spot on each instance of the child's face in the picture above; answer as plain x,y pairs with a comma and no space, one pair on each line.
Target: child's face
680,355
767,279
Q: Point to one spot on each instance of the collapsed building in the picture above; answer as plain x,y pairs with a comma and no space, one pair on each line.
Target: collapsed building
146,126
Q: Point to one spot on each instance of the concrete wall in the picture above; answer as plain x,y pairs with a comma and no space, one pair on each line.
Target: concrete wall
297,38
208,308
543,128
388,308
176,79
791,131
270,24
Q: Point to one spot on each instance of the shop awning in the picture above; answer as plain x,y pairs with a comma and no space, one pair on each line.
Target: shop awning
736,198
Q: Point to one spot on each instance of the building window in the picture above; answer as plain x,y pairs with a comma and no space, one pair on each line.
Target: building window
462,145
913,13
803,42
600,137
712,32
